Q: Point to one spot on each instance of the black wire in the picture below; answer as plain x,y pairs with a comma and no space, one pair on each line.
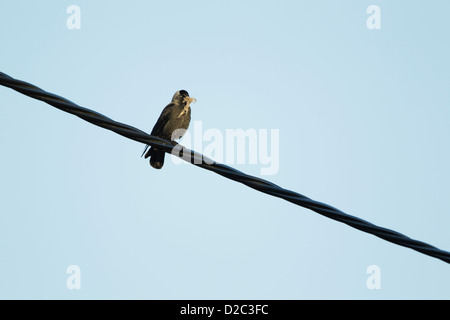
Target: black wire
226,171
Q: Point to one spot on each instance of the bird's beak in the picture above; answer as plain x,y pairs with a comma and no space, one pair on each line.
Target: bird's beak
189,100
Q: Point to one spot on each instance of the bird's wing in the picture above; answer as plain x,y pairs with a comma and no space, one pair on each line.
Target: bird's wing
159,125
146,147
162,120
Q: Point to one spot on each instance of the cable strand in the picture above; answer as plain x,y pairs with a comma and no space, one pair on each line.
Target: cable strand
200,160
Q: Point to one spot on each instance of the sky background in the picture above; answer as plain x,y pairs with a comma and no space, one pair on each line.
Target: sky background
363,118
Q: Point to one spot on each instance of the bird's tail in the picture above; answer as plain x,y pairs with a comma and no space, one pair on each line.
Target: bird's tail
156,157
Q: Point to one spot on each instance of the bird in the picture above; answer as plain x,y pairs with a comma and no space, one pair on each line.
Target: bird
171,125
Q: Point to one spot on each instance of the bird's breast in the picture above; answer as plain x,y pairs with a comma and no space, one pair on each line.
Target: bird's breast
179,119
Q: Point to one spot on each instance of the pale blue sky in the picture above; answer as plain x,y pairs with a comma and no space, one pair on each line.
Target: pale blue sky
363,117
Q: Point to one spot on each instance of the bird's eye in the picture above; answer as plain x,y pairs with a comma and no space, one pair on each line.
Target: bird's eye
184,93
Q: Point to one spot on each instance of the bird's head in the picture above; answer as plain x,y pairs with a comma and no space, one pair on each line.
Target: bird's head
182,98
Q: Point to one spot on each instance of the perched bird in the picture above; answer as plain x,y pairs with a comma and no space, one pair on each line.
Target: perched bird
171,125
